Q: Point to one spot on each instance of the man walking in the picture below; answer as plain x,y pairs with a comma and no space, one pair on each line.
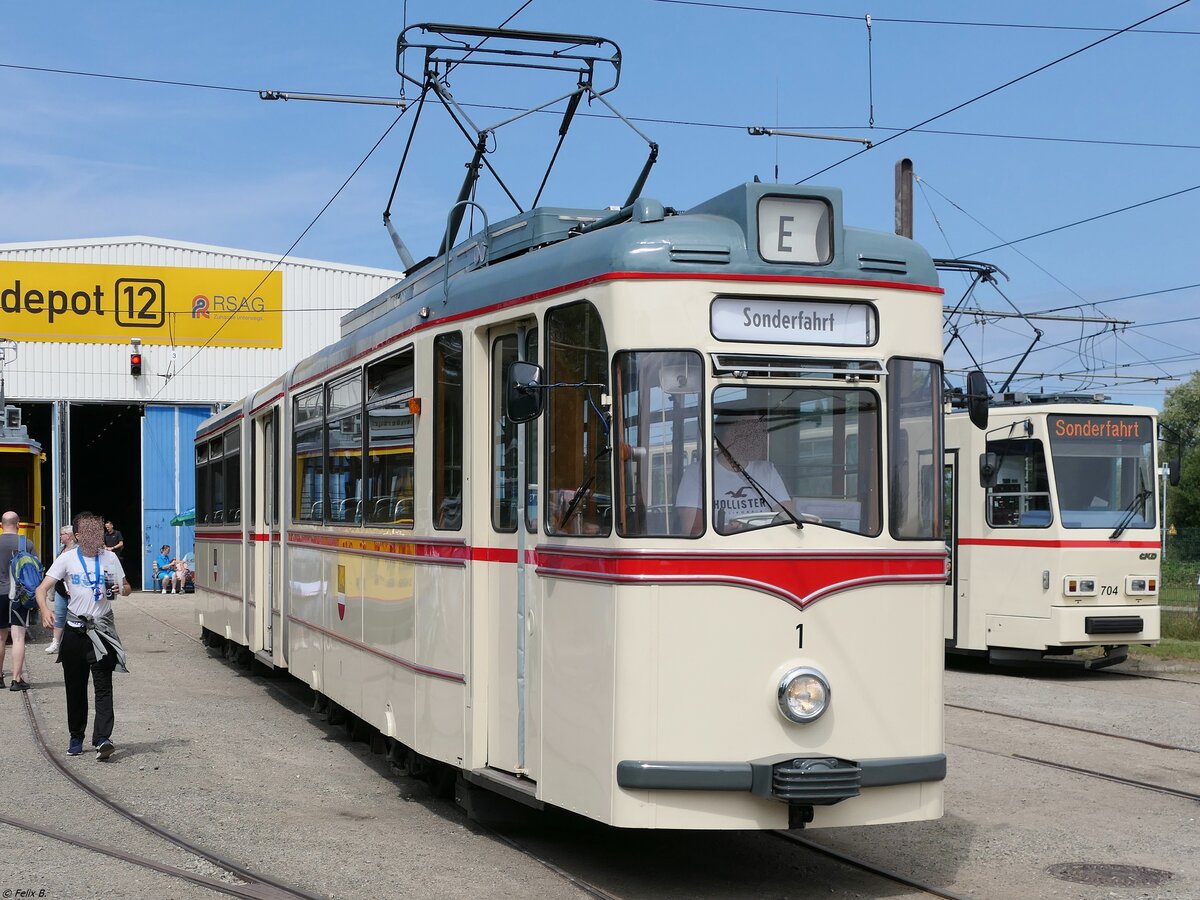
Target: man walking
90,643
11,619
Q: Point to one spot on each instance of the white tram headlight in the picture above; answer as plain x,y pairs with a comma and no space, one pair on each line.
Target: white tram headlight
803,695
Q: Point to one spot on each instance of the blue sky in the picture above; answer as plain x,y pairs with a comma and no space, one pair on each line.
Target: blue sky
94,157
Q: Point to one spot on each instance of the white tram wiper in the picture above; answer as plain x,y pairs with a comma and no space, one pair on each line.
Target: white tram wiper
763,493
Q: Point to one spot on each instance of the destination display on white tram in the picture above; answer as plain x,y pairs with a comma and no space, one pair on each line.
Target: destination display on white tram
1093,428
782,321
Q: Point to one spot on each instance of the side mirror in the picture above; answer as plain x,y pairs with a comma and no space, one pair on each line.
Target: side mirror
978,394
523,397
1173,472
989,469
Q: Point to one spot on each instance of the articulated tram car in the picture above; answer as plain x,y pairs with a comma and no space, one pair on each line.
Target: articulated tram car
1053,529
635,514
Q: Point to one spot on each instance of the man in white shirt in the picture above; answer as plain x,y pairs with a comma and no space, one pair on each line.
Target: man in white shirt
735,500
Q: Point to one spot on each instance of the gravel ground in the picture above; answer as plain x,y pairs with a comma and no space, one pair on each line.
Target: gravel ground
237,764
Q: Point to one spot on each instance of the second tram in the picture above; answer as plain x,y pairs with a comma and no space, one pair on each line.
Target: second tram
1052,523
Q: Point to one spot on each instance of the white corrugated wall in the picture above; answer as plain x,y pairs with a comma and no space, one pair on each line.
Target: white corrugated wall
315,296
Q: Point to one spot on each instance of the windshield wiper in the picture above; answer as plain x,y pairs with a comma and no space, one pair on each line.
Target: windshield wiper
1132,509
763,493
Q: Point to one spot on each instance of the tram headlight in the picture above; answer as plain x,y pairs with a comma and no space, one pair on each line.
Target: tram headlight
803,695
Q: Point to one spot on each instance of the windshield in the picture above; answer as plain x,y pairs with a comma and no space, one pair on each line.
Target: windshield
813,451
1103,470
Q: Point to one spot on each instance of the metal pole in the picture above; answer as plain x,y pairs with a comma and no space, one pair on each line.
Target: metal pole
904,201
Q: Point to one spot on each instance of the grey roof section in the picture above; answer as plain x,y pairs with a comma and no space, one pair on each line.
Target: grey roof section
718,236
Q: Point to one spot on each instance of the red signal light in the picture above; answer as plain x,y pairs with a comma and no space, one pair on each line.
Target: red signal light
135,364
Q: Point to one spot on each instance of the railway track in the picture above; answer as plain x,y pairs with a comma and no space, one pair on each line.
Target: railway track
254,885
1079,728
863,866
1081,770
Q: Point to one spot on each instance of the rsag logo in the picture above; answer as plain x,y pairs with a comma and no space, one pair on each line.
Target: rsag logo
199,306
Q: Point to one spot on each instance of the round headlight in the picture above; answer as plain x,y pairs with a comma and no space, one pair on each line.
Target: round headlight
803,695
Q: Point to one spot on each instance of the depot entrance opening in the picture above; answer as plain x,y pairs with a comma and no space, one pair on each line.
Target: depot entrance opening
106,472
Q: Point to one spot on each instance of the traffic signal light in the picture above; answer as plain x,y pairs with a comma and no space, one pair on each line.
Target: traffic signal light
135,363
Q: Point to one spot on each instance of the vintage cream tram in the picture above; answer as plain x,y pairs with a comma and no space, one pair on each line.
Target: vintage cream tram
1052,523
636,514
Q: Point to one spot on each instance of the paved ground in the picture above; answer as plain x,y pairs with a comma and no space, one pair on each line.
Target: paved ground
233,761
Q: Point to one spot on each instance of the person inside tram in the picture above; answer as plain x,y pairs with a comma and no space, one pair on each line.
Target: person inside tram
746,485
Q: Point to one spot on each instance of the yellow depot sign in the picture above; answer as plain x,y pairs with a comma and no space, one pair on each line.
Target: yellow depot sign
75,303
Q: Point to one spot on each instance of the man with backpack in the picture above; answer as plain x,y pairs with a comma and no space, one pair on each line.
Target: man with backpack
19,569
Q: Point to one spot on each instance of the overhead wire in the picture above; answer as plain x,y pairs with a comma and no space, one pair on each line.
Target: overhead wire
1104,215
314,220
898,21
648,120
997,89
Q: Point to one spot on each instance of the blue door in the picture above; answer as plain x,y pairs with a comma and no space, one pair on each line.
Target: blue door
168,480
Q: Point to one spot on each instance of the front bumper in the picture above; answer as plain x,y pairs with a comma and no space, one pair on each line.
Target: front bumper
801,780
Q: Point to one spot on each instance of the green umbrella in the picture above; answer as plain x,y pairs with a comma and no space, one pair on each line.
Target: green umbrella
185,518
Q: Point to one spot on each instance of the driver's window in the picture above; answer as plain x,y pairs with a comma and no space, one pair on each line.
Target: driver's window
578,490
1020,498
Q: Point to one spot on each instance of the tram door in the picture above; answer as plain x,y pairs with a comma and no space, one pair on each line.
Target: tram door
950,521
264,530
513,604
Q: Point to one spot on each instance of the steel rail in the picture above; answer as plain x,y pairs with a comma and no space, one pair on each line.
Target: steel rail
275,887
249,891
1079,728
863,865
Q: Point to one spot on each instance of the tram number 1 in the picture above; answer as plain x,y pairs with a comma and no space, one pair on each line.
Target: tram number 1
800,636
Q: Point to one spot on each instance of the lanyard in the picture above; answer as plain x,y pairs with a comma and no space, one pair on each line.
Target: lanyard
94,584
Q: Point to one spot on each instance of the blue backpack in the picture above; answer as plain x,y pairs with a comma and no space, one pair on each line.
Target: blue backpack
25,573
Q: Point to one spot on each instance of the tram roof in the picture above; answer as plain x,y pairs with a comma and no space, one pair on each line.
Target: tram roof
550,248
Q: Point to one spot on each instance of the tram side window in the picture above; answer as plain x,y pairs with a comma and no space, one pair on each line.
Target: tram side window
659,428
389,475
16,482
343,449
1020,498
915,449
203,504
531,448
505,489
308,473
448,431
216,469
233,477
578,495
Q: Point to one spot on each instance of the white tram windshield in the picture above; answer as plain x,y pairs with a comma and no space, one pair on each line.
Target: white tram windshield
1103,470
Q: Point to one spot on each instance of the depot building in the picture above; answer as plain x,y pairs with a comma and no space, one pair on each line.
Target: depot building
115,349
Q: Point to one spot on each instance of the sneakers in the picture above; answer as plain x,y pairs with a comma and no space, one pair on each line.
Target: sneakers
76,747
163,591
53,648
15,685
105,749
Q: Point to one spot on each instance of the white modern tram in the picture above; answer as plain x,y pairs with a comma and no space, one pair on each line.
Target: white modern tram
1053,529
701,590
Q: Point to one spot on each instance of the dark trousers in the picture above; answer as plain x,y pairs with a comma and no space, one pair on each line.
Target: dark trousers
78,659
